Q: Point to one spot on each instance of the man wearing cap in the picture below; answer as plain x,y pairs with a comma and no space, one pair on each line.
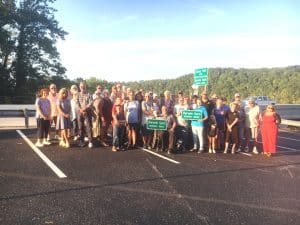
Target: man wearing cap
251,125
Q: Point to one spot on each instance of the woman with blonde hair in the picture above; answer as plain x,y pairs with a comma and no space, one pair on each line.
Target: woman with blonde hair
270,120
63,117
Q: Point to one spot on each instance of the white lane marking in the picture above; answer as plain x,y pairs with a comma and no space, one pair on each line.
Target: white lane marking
292,139
49,163
160,156
244,153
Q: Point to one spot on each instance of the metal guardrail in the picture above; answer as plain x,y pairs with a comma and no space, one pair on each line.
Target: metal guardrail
288,113
292,123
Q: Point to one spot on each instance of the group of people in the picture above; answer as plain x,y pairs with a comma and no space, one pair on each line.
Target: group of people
123,115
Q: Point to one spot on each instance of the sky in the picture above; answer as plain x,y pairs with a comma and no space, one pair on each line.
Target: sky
134,40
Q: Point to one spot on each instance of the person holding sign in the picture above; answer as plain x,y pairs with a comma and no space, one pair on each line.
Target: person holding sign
198,127
146,113
167,136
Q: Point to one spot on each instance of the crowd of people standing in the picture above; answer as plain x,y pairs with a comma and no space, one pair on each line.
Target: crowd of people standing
118,118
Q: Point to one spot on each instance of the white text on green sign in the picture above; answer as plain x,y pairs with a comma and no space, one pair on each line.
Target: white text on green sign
191,115
201,77
156,124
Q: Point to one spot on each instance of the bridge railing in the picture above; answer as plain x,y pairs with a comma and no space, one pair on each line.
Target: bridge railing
288,113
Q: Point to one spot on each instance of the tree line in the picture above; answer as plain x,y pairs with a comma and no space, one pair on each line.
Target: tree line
29,60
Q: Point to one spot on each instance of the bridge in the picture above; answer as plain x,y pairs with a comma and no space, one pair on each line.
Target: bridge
52,185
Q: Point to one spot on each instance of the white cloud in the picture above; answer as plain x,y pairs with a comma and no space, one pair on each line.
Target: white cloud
165,58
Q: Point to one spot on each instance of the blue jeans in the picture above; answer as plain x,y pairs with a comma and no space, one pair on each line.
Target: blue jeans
118,135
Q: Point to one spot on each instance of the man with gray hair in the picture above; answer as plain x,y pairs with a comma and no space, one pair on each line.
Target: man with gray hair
85,117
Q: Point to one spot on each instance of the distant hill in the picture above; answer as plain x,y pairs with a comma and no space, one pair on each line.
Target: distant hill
280,84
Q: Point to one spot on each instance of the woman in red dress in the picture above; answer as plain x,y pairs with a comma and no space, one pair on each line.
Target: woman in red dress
269,130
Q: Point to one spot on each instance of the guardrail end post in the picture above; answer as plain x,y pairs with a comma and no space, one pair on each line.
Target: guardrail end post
26,116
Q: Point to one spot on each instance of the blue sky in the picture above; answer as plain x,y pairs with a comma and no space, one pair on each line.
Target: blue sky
138,40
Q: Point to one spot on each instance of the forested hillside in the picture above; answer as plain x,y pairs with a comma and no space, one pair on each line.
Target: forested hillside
280,84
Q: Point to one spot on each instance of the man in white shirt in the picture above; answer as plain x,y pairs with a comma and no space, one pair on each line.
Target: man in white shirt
251,125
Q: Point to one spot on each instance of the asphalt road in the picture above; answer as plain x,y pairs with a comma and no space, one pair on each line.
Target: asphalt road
136,187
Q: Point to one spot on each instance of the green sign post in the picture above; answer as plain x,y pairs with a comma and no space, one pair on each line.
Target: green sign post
156,124
201,76
191,115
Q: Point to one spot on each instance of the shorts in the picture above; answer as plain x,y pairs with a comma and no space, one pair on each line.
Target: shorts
232,136
145,131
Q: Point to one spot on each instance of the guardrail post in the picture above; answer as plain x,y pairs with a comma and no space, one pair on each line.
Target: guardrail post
26,116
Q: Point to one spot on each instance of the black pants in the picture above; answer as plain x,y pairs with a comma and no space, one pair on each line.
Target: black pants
43,127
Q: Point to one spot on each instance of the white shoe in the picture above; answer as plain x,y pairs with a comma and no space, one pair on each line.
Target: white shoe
214,151
90,145
255,151
210,150
86,139
46,142
76,138
39,144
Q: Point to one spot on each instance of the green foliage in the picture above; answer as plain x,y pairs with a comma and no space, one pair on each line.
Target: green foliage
280,84
29,57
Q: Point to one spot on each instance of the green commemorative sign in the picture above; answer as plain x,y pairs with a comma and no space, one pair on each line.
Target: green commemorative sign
191,115
156,124
201,76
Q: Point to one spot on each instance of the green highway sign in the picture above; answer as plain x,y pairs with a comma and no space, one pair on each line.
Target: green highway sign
191,115
201,76
156,124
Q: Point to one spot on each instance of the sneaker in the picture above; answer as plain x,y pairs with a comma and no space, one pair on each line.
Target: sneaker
86,139
255,151
200,151
67,145
76,138
232,152
246,149
210,151
193,150
45,142
169,152
149,147
81,144
239,150
62,143
90,145
39,144
225,152
214,151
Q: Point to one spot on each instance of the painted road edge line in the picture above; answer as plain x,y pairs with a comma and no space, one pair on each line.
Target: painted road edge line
49,163
292,139
160,156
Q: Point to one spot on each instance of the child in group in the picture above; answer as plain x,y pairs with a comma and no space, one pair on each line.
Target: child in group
212,133
118,123
232,132
43,117
74,112
63,119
